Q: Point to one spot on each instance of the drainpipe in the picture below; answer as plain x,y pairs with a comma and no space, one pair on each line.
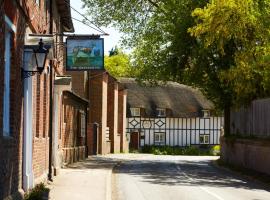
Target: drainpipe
51,100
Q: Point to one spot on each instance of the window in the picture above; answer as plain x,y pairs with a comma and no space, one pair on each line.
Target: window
204,139
6,95
135,112
206,113
37,2
142,135
82,125
161,112
159,138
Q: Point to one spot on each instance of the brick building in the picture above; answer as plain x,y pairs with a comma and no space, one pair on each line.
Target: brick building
25,109
69,124
106,129
74,128
11,89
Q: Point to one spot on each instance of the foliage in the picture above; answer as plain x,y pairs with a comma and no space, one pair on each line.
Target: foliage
118,64
168,150
245,25
219,46
37,193
114,51
131,150
215,150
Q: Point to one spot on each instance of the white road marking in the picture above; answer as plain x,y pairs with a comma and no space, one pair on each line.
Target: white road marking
181,172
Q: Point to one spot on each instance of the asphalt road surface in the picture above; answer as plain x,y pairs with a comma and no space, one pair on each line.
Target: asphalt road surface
149,177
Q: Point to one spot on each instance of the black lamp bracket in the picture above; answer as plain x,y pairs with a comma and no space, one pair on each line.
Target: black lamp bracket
26,74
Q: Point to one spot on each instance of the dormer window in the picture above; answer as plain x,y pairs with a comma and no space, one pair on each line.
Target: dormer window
161,112
206,113
135,112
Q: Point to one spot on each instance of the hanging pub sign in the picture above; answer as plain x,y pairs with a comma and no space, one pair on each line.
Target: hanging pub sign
84,53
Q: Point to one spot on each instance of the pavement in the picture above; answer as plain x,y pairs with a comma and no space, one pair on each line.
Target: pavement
89,179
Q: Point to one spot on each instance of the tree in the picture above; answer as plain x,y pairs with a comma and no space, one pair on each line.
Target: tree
220,46
118,64
245,25
114,51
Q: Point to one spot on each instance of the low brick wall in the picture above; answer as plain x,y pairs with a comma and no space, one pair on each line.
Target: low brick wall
73,154
247,153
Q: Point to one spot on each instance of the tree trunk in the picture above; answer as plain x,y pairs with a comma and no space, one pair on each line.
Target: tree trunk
227,120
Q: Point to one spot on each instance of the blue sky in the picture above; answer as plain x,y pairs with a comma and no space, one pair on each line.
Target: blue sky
109,41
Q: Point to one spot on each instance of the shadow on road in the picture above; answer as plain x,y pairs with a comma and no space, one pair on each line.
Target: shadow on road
185,173
93,162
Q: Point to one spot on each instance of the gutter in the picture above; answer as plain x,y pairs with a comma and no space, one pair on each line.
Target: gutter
50,100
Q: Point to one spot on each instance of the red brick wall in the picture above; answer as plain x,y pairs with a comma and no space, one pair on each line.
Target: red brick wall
79,83
41,84
98,82
11,148
246,153
122,104
112,118
40,127
23,13
73,145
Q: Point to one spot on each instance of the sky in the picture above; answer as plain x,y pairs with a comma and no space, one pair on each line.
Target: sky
109,41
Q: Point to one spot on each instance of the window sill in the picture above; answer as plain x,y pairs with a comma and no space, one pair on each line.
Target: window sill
7,138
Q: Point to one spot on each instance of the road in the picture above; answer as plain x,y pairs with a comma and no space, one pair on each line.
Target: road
150,177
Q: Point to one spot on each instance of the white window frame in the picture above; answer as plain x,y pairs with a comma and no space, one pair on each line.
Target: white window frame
37,2
160,140
6,92
206,139
206,113
135,112
161,112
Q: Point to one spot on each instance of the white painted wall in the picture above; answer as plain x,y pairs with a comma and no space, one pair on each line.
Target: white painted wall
179,131
28,175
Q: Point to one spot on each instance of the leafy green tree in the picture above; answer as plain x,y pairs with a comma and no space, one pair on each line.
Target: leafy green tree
245,25
118,64
219,46
114,51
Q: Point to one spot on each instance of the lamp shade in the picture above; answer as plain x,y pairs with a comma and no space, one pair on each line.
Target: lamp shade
40,61
41,56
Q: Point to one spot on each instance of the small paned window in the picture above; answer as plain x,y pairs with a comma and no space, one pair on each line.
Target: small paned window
204,139
206,113
159,138
135,112
161,112
82,124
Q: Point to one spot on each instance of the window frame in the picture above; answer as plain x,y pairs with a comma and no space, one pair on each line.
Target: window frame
206,113
159,112
135,112
7,78
82,124
159,141
204,139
